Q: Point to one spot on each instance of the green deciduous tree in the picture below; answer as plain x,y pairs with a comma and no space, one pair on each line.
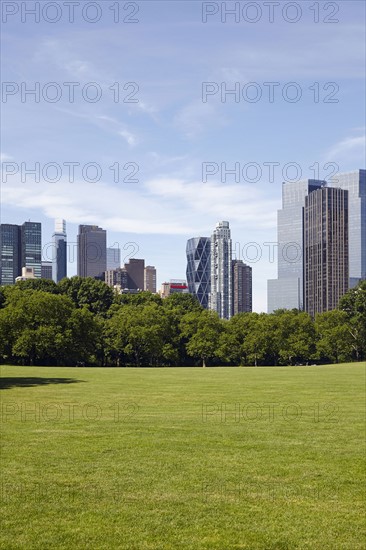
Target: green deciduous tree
139,334
88,292
46,285
294,336
334,341
202,328
44,328
140,298
353,303
33,325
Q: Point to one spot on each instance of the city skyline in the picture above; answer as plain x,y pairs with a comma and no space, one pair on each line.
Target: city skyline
165,158
288,290
290,270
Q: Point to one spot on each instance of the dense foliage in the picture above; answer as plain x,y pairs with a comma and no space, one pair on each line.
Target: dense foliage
82,321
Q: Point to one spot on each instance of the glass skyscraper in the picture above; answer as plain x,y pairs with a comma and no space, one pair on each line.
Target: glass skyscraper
10,253
31,246
113,258
21,246
198,272
220,298
355,184
286,292
59,260
326,276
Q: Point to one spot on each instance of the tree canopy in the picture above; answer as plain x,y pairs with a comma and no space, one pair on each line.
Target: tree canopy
82,320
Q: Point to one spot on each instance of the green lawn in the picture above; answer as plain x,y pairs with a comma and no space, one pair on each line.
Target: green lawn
216,458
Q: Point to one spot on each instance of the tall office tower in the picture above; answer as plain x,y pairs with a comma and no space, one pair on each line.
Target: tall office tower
150,279
31,246
220,298
286,292
10,253
355,184
326,274
198,272
135,269
46,270
59,259
92,251
242,287
113,258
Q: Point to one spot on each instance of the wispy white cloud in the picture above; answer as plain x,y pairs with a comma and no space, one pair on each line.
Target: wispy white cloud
129,137
166,206
4,157
161,160
243,204
197,117
349,150
328,54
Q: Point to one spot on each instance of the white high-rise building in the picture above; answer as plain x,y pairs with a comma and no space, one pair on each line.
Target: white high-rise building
220,298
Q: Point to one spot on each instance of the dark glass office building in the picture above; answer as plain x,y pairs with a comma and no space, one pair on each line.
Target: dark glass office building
21,246
198,272
59,260
242,287
326,258
31,247
10,250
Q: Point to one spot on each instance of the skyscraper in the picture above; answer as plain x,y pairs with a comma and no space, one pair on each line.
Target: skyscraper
355,184
113,258
135,269
242,287
92,251
59,259
198,272
31,246
287,290
326,274
10,253
220,298
150,278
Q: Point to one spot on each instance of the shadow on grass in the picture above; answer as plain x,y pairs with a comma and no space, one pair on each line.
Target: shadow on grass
28,382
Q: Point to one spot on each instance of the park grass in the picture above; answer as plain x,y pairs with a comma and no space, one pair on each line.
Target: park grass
183,458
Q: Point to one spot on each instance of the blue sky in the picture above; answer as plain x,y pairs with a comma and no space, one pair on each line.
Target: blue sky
169,131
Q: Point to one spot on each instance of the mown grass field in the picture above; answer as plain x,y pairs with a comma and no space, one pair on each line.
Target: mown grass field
215,458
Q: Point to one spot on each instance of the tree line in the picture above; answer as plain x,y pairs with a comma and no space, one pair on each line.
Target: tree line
82,321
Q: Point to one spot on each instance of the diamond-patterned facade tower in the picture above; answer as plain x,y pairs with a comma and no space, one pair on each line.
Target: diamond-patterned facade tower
199,268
